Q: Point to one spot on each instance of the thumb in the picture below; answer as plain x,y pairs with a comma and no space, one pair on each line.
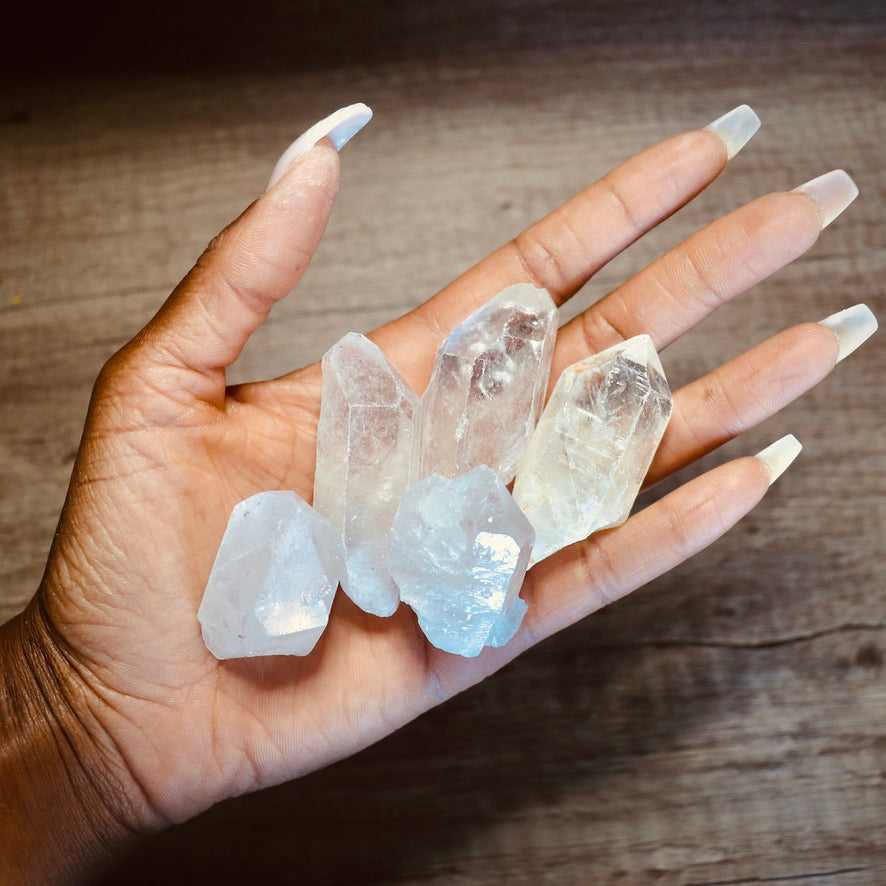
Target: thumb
252,264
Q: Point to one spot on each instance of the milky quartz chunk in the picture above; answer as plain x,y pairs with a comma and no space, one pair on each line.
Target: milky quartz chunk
593,445
488,386
365,443
458,550
275,574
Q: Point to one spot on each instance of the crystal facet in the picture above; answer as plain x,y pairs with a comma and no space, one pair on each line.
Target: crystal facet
365,443
508,622
458,551
274,577
593,445
488,386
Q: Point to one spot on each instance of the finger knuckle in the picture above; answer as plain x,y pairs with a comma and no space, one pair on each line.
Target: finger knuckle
543,263
598,572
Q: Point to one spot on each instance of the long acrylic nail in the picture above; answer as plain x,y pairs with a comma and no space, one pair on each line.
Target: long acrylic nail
779,455
341,127
851,327
833,192
735,128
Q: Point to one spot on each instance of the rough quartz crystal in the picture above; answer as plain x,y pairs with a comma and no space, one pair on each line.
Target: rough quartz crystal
593,445
365,443
488,386
274,577
458,550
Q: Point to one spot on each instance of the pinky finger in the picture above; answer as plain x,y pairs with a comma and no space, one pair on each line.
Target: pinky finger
589,575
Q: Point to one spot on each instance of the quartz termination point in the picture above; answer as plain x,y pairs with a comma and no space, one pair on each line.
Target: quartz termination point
365,446
274,577
593,445
488,386
458,551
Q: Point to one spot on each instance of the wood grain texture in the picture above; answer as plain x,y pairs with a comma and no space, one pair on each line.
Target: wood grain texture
726,724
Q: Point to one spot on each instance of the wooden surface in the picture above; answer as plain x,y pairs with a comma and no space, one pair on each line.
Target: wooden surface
726,724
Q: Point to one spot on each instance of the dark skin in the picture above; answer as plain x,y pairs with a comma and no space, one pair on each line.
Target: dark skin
116,719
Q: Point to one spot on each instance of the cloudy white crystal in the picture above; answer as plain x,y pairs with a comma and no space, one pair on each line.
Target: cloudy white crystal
458,550
273,581
593,445
488,386
365,444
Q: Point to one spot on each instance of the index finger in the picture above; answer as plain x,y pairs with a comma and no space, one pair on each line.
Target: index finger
562,251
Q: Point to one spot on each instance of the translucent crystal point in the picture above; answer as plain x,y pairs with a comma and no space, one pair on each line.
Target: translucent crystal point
365,443
488,386
508,622
274,577
458,551
593,445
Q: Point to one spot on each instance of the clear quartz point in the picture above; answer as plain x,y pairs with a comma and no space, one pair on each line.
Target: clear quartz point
488,386
273,581
365,444
593,445
458,550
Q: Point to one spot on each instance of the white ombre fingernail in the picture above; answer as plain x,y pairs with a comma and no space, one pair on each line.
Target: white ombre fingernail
735,128
833,192
341,127
851,328
778,456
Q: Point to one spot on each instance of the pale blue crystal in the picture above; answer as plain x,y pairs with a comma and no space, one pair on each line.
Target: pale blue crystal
508,623
458,550
273,580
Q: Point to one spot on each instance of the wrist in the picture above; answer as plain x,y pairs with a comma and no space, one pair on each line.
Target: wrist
66,796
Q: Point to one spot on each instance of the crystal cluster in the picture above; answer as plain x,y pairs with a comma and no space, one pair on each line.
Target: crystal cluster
273,580
410,502
365,443
593,445
458,551
488,386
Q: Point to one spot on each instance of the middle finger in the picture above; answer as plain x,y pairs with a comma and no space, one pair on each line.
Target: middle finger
709,268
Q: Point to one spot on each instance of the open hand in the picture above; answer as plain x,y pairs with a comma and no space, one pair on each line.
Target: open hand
147,725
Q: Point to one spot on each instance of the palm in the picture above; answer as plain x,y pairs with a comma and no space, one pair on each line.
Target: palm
282,715
168,452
